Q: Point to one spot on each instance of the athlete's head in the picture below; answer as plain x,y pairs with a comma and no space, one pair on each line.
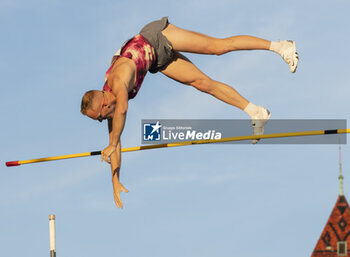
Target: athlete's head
98,105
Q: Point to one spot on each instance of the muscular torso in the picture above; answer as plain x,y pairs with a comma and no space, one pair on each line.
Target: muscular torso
123,69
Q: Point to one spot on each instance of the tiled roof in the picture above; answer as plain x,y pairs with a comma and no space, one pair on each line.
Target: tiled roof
336,230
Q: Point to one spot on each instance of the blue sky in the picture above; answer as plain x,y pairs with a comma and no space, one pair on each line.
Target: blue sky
222,200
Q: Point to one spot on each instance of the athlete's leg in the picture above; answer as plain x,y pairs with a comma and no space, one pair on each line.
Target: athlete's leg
182,70
194,42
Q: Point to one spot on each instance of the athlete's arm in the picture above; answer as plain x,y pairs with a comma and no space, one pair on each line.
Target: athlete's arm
115,168
120,79
119,117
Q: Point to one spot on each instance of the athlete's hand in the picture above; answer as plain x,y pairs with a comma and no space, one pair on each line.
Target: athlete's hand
106,153
117,188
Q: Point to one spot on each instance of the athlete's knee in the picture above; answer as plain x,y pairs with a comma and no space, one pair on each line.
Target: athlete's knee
217,47
204,84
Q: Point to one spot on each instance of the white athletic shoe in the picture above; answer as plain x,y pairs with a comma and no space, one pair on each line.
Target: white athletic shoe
259,121
289,54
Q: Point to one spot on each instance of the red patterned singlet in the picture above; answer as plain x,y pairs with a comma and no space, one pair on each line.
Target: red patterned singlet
142,53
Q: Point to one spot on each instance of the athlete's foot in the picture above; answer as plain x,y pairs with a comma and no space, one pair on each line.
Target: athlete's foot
289,54
258,122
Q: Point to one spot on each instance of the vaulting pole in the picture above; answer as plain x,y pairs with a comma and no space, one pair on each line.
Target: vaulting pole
52,236
184,143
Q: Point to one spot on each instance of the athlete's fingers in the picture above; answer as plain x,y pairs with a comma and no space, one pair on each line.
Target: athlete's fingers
118,201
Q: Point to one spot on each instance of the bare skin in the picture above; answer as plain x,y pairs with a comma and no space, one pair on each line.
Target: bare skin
182,70
122,79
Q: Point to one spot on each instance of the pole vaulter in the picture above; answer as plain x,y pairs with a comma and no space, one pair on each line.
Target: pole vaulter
184,143
158,47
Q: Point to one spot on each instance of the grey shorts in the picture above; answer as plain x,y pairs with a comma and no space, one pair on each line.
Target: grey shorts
162,46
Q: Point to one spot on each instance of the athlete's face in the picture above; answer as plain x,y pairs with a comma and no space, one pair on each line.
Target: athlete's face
101,109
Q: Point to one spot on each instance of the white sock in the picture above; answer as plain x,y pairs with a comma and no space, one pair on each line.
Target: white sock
276,47
251,109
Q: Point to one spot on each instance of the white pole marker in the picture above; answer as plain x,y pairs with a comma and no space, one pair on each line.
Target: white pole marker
52,236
